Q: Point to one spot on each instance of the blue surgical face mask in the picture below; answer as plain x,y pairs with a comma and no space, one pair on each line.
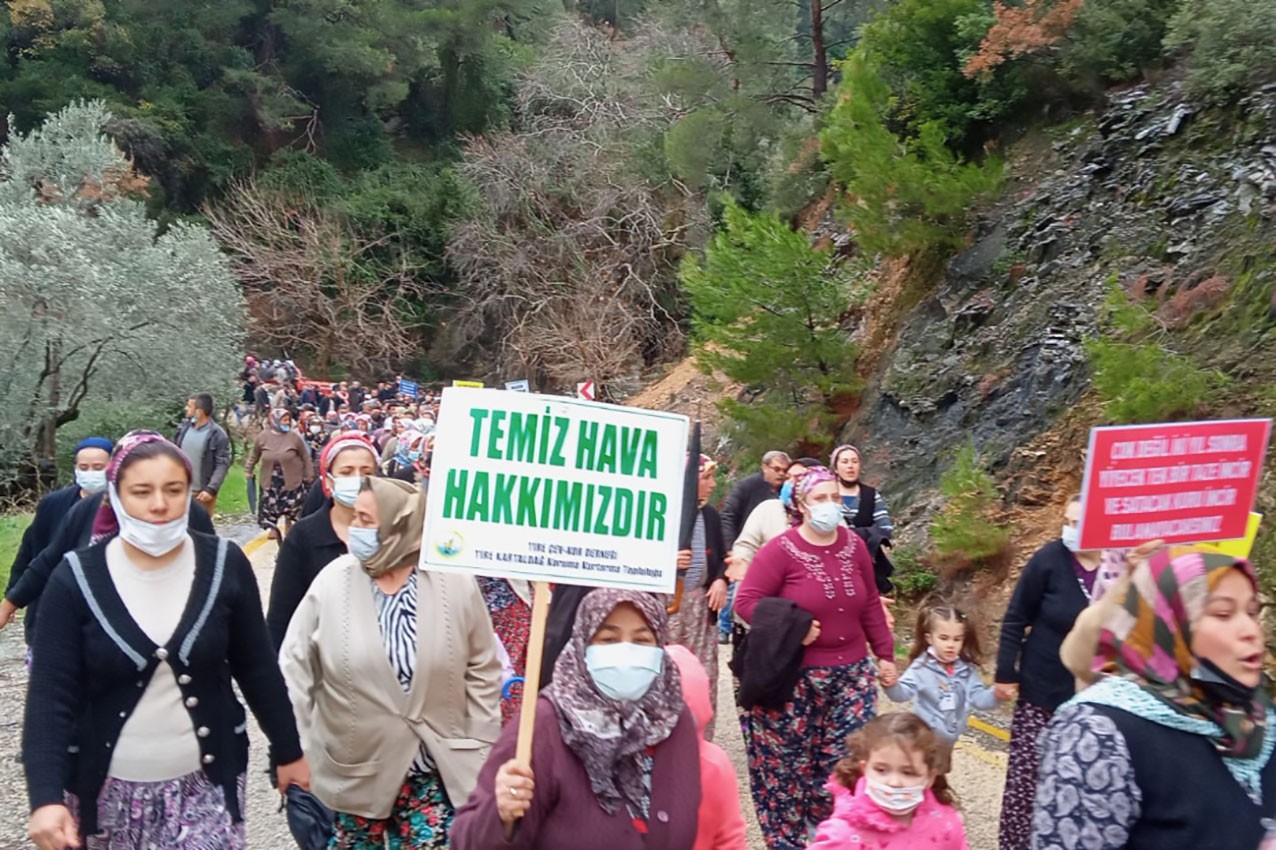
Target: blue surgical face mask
284,429
825,516
364,543
91,481
345,488
786,493
624,671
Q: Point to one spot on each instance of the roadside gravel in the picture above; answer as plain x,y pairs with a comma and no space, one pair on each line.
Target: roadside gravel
978,762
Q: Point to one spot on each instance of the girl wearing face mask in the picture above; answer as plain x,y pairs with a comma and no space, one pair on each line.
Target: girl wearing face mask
824,569
1172,748
1056,585
616,762
394,679
408,462
134,737
286,471
890,791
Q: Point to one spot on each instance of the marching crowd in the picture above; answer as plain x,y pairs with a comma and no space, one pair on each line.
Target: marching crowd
387,693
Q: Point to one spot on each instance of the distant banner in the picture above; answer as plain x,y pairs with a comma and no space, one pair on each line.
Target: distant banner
546,488
1184,482
409,388
477,385
523,386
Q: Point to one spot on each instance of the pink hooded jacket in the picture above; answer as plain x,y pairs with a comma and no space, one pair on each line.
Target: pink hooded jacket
721,823
859,824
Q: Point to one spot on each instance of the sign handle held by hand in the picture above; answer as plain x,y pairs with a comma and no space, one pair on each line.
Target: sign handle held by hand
532,682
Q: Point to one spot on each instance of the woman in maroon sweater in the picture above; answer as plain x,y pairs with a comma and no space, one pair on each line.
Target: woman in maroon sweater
826,570
616,758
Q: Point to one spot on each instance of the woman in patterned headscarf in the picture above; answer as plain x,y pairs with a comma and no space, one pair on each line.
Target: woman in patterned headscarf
1171,748
286,472
824,569
615,755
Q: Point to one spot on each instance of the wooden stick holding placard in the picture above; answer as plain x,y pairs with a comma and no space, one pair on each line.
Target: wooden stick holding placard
531,681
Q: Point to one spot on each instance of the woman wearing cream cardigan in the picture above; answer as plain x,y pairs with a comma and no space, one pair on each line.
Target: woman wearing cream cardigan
394,680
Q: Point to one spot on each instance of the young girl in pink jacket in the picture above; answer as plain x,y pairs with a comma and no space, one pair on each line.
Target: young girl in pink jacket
889,792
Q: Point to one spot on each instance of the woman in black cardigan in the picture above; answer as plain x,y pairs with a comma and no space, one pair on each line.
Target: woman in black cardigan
132,725
1054,588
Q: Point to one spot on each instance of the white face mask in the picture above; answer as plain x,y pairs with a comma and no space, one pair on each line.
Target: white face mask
624,671
155,539
1071,537
896,801
345,488
825,516
91,481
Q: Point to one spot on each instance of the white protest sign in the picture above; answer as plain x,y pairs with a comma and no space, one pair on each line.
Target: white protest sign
523,386
546,488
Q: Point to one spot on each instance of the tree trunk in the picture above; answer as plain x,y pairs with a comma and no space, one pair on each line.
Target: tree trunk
49,431
819,62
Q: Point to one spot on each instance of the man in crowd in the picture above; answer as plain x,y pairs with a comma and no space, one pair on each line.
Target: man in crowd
91,458
206,444
747,495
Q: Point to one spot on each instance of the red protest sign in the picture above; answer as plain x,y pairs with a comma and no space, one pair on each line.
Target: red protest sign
1183,482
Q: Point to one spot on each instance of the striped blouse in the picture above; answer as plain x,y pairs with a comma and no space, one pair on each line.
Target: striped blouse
396,615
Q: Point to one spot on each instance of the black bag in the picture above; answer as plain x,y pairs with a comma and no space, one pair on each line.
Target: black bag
309,820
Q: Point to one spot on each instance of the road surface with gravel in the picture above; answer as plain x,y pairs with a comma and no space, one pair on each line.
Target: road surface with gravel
979,761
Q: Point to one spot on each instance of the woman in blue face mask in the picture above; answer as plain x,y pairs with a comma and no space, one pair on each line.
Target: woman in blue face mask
812,592
616,756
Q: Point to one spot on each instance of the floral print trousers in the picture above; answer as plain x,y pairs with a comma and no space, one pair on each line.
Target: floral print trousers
792,751
421,820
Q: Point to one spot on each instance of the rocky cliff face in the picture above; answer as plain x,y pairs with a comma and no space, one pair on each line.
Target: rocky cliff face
1176,204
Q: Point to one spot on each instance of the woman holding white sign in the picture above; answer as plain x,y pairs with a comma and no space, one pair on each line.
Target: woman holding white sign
615,757
824,569
394,680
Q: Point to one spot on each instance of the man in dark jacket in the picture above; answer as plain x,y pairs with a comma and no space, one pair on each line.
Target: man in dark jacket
206,444
751,492
747,495
91,458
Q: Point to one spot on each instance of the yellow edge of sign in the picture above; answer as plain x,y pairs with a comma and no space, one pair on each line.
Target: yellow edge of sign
989,729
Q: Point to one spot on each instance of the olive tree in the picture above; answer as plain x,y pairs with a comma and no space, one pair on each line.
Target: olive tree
97,305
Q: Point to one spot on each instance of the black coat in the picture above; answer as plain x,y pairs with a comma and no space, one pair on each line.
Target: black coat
746,496
768,661
1045,604
75,532
309,547
49,515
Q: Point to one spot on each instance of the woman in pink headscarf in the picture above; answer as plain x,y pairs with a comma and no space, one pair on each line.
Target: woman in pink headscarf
816,577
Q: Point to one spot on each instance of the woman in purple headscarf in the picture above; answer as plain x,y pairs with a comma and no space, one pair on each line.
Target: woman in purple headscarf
134,736
615,755
819,570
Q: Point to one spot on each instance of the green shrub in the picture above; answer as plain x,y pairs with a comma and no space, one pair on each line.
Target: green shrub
906,195
1113,40
964,532
1233,45
921,47
913,579
1138,378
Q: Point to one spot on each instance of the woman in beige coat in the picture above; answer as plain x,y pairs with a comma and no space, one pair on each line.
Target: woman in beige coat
394,680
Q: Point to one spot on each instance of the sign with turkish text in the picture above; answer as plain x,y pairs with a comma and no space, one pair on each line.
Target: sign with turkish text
1182,482
547,488
409,388
477,385
523,386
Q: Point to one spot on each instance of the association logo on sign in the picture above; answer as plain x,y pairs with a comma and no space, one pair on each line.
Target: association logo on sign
451,545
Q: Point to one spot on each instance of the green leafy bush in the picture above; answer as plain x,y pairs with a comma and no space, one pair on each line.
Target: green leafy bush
1112,41
907,195
1233,45
1137,376
913,579
965,533
921,47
